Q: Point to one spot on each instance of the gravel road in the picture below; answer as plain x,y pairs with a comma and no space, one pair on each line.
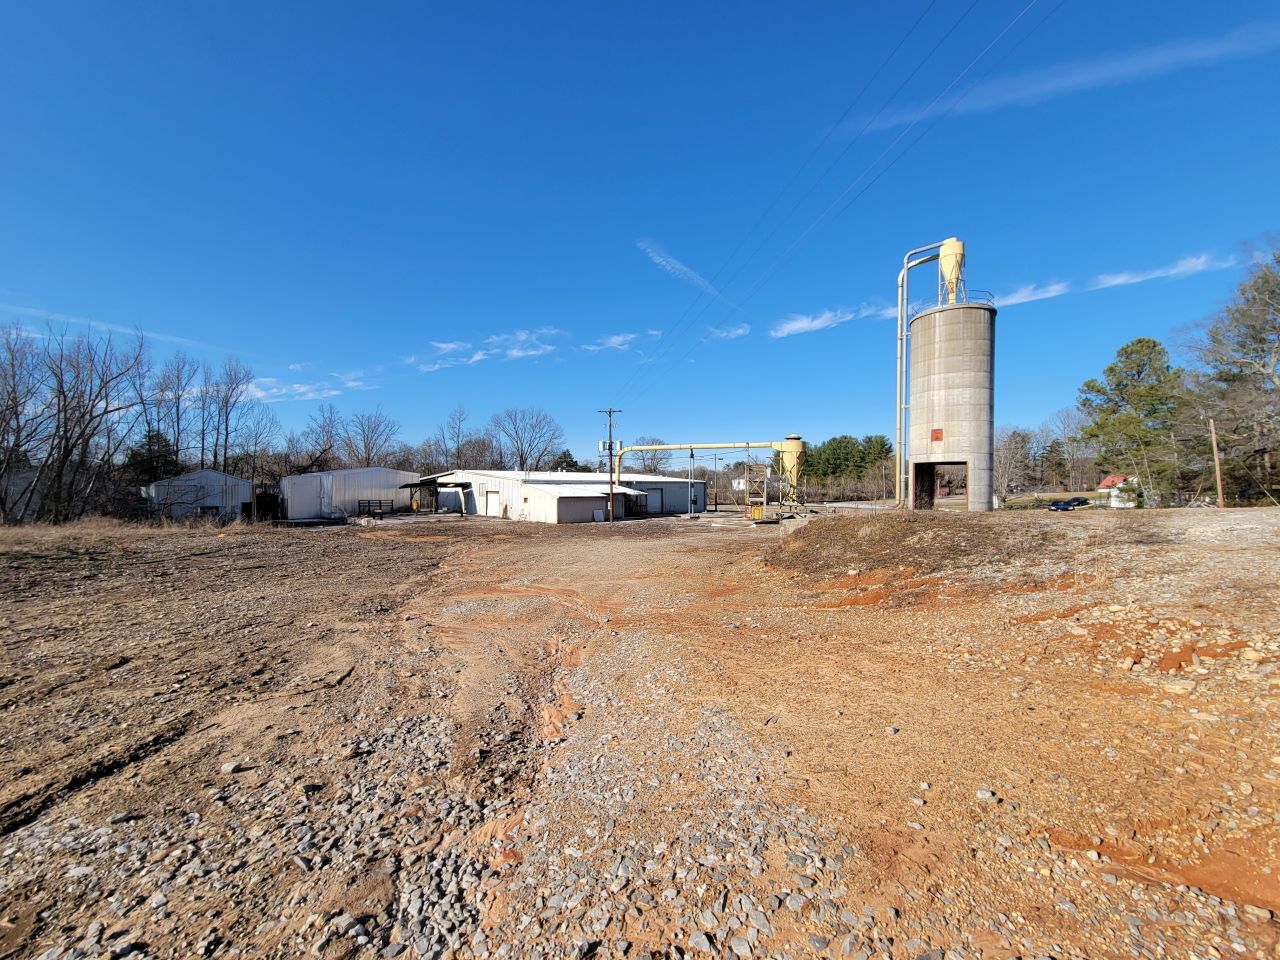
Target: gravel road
1002,737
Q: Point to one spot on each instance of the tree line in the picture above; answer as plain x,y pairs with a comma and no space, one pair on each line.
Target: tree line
1152,420
87,418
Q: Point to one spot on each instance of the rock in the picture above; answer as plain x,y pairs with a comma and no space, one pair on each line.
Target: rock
231,766
986,796
1127,664
701,942
740,946
1245,789
818,943
344,923
891,730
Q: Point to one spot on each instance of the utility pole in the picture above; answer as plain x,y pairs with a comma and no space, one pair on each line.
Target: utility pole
690,483
610,411
715,481
1217,463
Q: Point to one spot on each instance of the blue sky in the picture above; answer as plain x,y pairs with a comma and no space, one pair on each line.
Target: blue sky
557,204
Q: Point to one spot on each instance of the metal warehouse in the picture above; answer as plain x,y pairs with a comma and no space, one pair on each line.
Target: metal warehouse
556,497
330,494
200,493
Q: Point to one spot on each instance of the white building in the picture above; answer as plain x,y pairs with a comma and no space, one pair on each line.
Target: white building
559,497
1121,490
201,493
332,494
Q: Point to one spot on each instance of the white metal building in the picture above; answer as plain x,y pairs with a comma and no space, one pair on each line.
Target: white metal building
200,493
329,494
560,497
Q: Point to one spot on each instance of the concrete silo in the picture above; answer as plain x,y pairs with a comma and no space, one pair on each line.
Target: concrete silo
951,349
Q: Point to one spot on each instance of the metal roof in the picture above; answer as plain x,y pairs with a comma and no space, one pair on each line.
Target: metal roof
564,476
583,489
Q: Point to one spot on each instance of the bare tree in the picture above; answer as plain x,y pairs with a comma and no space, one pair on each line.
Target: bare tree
1066,427
68,406
483,451
27,420
530,436
233,387
368,438
207,416
451,435
257,434
1011,466
174,389
651,461
319,446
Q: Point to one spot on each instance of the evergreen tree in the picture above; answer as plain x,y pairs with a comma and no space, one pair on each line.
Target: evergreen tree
1132,414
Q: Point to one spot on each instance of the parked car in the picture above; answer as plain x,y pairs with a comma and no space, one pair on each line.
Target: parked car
1080,501
1062,505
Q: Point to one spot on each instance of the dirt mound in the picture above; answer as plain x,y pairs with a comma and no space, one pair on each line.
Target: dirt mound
926,543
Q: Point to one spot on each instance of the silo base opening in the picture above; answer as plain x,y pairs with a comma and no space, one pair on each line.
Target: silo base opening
931,482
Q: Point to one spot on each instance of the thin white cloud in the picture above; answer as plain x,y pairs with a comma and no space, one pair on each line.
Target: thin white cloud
1042,84
1030,292
731,333
674,267
50,316
516,345
681,271
456,361
618,341
299,367
1185,267
354,380
654,333
522,344
449,346
810,322
271,390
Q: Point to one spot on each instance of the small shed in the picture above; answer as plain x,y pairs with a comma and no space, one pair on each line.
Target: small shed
200,493
332,494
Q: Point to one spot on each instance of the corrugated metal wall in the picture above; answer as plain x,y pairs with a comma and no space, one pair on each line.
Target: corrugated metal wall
305,496
186,495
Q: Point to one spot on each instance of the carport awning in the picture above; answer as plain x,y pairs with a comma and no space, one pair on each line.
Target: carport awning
431,482
584,489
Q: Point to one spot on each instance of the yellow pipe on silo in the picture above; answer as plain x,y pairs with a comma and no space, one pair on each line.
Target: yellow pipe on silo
951,266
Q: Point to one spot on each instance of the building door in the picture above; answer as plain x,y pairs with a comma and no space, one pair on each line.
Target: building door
326,494
653,502
493,503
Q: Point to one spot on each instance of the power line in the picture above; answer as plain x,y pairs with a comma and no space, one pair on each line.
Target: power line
816,224
831,130
866,126
772,269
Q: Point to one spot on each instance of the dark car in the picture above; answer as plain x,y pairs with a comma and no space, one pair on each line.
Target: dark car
1079,501
1062,505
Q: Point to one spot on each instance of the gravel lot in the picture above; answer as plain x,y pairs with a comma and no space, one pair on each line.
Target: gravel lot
958,737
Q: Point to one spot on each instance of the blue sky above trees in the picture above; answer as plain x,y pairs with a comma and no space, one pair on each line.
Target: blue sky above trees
577,205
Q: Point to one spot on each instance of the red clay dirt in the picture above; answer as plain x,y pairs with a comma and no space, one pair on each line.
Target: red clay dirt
986,736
